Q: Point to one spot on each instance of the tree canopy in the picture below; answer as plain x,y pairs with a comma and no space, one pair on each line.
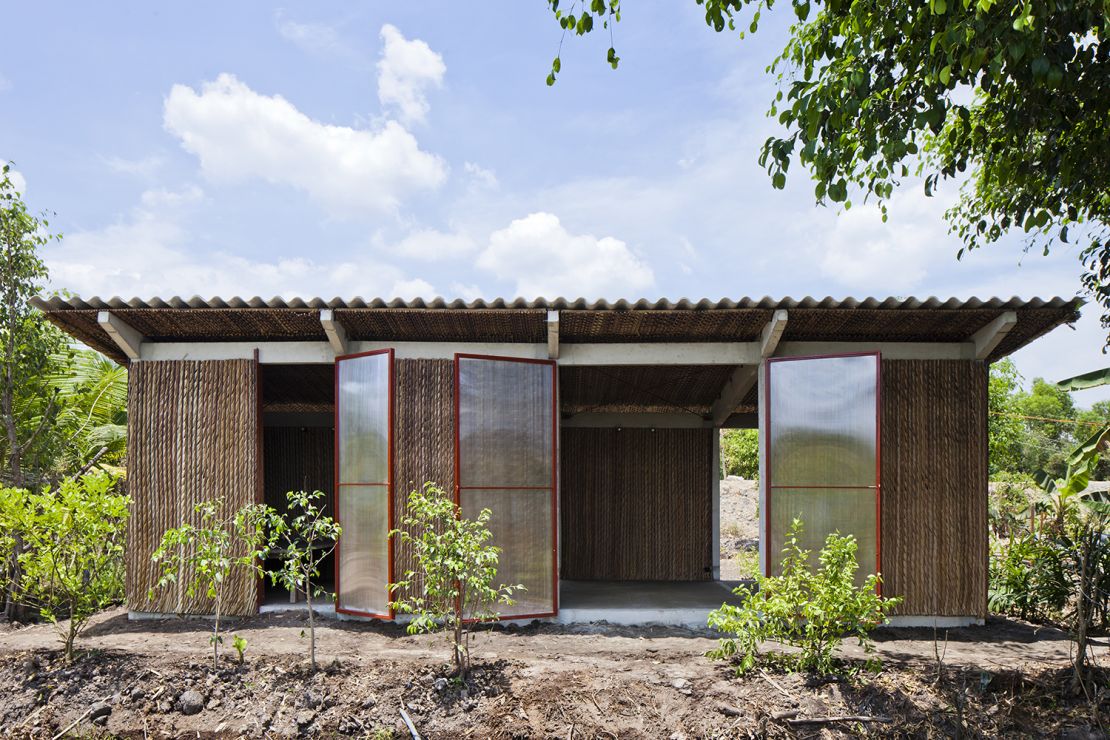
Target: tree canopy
1009,99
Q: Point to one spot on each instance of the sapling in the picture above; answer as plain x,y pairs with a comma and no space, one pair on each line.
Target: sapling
240,644
72,563
302,539
457,570
204,556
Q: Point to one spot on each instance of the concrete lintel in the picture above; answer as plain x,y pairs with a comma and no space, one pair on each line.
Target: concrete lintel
634,420
337,335
553,335
743,377
772,333
129,339
987,338
647,353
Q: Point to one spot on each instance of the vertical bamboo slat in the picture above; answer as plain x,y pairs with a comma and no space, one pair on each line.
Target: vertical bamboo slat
192,431
934,479
636,504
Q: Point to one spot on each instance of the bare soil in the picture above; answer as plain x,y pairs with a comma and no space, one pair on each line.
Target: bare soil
538,681
739,528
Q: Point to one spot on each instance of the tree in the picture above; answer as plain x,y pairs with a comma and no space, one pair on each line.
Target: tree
1010,98
73,556
1049,431
457,571
302,539
92,409
740,453
204,556
1004,428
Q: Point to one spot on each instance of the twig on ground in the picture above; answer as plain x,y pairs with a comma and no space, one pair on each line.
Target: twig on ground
409,724
77,721
839,718
776,684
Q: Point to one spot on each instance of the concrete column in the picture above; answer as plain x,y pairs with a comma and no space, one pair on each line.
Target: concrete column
716,448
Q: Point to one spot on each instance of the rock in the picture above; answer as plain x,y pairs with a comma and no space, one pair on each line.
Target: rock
137,693
213,704
311,700
681,684
440,684
728,710
191,702
369,702
100,709
30,666
304,718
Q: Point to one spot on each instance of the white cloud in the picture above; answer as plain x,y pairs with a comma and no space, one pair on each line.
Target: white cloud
480,177
429,244
406,69
239,134
315,38
151,253
546,260
861,252
145,167
413,288
466,291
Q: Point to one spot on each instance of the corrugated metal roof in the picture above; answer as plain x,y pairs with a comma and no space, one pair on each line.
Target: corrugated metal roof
58,303
519,320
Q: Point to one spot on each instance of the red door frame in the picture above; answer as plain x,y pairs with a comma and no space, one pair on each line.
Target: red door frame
388,484
878,454
554,469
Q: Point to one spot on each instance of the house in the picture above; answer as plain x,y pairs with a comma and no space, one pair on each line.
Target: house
590,429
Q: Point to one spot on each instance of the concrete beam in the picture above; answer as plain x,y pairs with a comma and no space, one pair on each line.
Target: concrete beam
337,335
123,334
634,420
653,353
743,377
987,338
553,335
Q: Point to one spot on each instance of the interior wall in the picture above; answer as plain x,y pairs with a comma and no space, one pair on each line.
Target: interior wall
193,431
636,504
934,486
298,458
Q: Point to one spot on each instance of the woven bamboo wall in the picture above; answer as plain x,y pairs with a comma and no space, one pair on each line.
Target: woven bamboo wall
934,478
423,438
636,504
193,431
298,458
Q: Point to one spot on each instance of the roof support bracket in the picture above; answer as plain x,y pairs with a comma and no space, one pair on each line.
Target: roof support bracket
337,335
744,376
553,335
126,337
989,337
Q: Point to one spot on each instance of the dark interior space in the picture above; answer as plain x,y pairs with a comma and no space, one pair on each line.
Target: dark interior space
298,442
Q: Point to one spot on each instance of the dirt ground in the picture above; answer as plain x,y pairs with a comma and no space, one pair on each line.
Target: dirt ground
536,681
739,528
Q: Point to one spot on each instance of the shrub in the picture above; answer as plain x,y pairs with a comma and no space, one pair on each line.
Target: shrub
808,610
1027,577
72,561
301,539
207,554
457,571
740,453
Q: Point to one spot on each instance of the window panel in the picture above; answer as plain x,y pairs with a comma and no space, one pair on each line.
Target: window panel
364,550
362,401
824,511
520,522
823,421
505,423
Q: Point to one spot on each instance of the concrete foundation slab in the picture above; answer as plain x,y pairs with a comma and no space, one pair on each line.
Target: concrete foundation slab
685,604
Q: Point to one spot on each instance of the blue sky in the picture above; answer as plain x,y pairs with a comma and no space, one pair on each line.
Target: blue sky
413,149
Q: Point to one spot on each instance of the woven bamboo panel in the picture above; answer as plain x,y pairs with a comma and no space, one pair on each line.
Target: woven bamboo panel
636,504
193,429
423,438
934,478
298,459
667,388
735,325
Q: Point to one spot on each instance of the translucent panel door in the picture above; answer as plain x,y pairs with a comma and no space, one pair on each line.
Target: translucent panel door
363,475
822,454
505,446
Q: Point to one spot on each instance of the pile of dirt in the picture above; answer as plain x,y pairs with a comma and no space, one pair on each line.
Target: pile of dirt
155,679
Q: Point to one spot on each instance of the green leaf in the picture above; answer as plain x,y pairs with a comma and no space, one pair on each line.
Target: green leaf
946,74
778,181
1093,379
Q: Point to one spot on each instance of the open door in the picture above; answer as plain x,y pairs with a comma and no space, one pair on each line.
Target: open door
822,454
505,462
364,482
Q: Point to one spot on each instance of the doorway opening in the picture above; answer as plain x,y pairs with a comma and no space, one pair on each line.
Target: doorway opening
738,504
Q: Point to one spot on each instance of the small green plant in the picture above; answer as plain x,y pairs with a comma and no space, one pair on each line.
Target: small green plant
72,561
204,555
1027,577
301,539
812,611
240,644
457,571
